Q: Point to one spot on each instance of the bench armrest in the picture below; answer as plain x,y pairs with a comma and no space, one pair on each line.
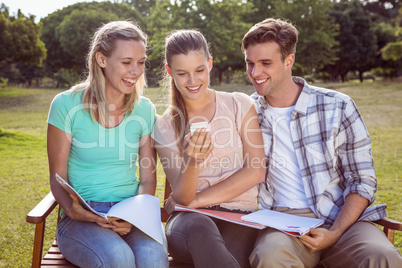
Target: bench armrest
39,213
391,224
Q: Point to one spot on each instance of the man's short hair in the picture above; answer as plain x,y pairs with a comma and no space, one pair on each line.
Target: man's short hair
273,30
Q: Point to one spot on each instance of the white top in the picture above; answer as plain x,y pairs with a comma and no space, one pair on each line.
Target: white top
284,171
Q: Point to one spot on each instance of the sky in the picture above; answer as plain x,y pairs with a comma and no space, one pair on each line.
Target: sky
39,8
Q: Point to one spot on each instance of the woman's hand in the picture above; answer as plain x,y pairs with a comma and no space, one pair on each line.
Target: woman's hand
170,203
78,213
182,169
120,226
198,147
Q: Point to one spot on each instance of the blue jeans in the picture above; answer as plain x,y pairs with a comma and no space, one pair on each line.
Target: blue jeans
206,242
86,244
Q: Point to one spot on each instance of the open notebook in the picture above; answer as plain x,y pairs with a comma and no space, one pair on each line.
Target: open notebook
142,211
287,223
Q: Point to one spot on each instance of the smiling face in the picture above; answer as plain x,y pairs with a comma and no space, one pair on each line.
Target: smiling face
123,68
266,69
191,74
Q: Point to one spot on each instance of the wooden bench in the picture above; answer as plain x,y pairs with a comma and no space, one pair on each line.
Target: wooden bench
53,257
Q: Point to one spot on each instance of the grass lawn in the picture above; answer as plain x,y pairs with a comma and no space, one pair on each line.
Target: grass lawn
24,170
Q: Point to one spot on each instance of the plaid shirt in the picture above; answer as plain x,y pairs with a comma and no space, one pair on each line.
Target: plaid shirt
333,150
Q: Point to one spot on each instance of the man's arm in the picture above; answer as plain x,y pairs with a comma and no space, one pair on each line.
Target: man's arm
354,153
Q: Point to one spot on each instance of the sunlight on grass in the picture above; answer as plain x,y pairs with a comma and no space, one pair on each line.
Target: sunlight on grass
24,169
23,182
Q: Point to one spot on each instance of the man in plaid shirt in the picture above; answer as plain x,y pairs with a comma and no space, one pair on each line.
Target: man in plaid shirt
319,163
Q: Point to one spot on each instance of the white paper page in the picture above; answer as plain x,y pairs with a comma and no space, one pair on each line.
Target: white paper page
142,211
283,221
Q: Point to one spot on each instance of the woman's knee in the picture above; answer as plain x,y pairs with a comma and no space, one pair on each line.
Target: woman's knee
152,258
190,224
87,256
120,255
190,232
99,248
149,253
193,231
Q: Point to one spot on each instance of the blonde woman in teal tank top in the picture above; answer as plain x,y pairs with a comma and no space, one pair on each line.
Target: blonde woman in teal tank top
96,130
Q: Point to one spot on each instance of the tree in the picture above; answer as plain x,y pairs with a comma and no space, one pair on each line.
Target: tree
158,24
19,39
75,31
317,32
67,33
382,10
357,47
393,49
386,67
221,22
5,35
142,6
261,10
367,40
29,72
20,45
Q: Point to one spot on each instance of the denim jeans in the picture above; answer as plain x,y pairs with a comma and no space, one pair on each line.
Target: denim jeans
206,242
86,244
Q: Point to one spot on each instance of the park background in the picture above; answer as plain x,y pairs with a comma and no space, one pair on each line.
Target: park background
353,46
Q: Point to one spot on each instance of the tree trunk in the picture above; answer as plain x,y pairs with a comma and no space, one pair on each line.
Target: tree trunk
361,76
220,76
334,77
343,78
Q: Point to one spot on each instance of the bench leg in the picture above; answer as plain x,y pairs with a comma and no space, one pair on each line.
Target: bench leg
38,244
390,234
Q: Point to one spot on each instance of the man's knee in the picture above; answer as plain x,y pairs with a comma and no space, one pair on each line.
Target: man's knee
275,249
382,257
261,257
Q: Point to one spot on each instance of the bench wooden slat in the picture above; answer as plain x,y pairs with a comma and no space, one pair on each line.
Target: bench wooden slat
54,258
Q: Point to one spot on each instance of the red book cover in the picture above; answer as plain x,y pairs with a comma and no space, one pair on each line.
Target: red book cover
233,217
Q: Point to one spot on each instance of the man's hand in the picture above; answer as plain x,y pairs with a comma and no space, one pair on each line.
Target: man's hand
318,239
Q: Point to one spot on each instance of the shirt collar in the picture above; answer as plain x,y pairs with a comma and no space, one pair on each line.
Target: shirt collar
304,97
302,102
260,101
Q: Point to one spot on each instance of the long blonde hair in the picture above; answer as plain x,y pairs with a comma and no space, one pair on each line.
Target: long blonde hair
182,42
104,41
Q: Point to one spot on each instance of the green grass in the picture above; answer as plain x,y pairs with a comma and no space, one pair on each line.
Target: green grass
24,170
